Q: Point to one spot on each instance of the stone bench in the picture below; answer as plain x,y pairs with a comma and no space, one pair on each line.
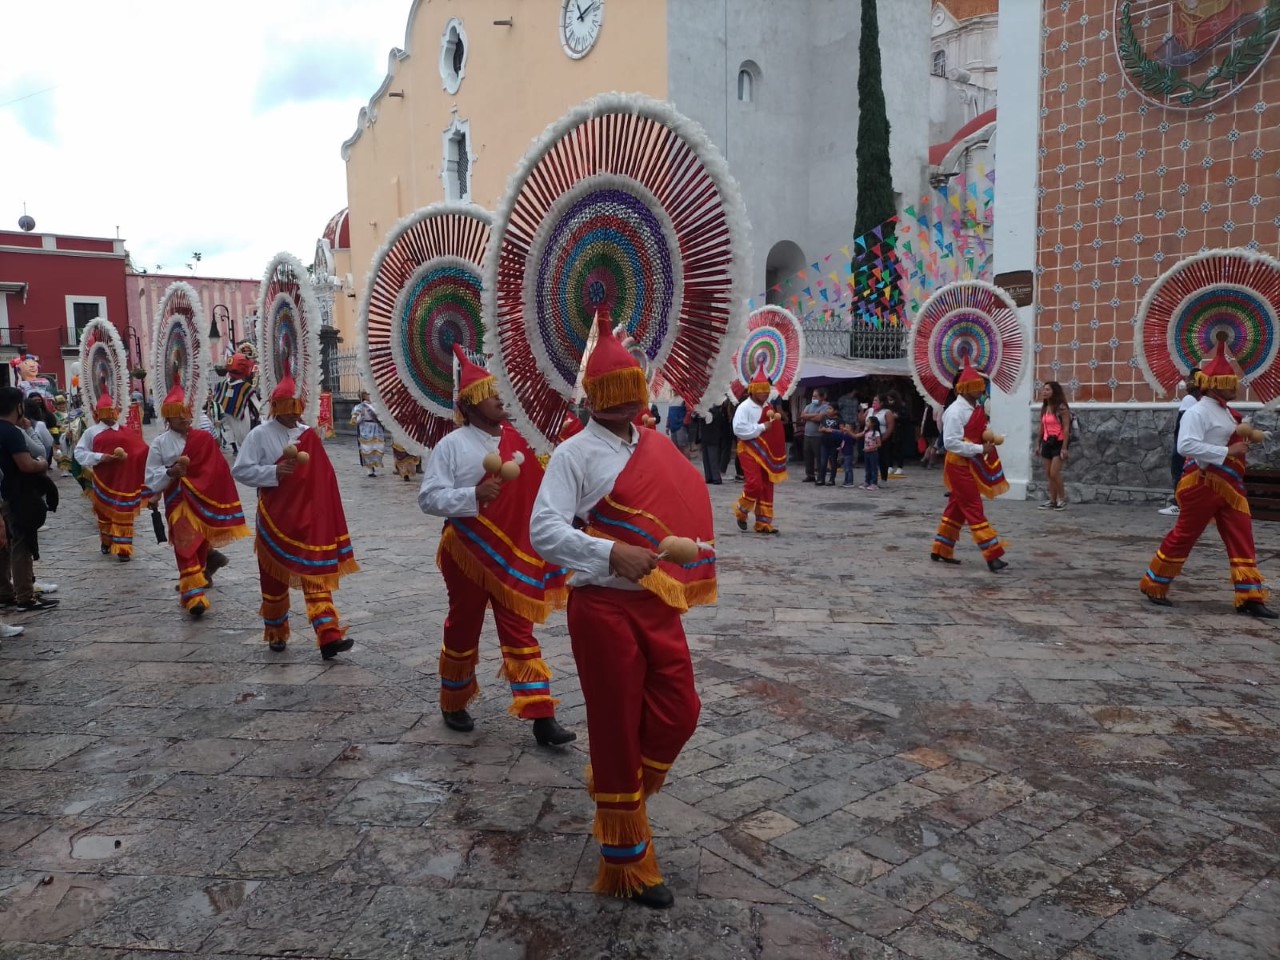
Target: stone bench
1262,487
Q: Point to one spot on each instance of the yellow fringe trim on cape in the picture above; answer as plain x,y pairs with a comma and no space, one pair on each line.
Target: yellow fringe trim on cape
985,490
534,610
623,880
746,451
328,581
1219,485
617,387
217,536
677,595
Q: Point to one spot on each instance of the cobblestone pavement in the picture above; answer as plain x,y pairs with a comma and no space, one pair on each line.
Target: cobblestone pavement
895,759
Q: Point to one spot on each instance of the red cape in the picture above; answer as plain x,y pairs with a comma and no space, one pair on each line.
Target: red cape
988,472
302,528
116,486
494,550
205,503
658,494
769,449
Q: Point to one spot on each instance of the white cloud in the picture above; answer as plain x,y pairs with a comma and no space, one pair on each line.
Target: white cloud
211,128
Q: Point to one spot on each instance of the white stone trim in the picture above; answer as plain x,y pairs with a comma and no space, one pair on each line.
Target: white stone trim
447,176
73,298
450,80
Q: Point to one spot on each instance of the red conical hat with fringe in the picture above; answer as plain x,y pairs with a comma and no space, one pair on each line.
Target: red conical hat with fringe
1218,373
175,403
613,377
105,409
284,398
474,383
970,382
760,382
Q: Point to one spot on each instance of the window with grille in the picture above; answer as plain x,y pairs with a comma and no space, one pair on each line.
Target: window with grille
939,63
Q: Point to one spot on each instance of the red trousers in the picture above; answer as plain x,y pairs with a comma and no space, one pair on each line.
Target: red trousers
965,506
275,610
757,494
637,681
1201,499
116,537
522,663
191,551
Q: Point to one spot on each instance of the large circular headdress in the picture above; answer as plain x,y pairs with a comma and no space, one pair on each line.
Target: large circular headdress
622,204
774,338
423,296
178,350
289,332
104,365
967,318
1216,295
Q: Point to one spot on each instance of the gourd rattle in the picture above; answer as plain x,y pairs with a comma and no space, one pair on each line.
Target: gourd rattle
990,436
291,452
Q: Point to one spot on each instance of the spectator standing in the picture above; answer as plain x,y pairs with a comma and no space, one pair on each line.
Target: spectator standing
887,423
1176,460
1055,434
904,435
24,508
676,427
811,417
931,435
872,441
848,443
829,426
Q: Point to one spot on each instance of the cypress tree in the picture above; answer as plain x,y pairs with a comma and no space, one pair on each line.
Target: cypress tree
875,183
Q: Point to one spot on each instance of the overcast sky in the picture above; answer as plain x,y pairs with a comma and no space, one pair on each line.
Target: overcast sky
210,127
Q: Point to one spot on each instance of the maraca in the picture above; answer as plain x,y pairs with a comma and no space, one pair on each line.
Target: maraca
291,452
119,453
492,462
990,436
509,470
1246,431
649,420
678,549
183,460
773,414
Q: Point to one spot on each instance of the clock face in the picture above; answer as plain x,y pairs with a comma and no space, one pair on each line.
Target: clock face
580,26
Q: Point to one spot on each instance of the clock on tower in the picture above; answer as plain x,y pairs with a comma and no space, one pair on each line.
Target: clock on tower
580,26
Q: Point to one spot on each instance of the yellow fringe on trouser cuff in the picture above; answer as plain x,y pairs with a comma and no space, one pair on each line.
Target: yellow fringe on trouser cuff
627,861
530,681
191,584
988,541
944,541
1161,573
458,686
653,775
1248,582
323,616
275,617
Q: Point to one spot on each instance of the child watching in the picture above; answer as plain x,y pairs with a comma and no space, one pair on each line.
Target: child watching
871,440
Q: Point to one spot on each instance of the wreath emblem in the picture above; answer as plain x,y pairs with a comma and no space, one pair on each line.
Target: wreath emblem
1194,53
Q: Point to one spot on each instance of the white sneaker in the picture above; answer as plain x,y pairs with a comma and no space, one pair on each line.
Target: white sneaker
8,632
45,587
1170,511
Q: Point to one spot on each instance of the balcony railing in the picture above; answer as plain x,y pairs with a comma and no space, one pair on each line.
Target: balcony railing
855,339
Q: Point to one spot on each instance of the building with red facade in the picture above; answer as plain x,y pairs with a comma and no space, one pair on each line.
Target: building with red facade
51,286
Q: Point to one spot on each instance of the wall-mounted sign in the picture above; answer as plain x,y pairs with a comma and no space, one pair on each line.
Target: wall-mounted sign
1019,285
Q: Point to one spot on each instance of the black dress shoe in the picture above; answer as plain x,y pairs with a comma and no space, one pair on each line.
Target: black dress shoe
996,565
331,650
278,646
742,524
458,720
1159,601
548,732
656,897
939,558
124,558
1256,608
105,549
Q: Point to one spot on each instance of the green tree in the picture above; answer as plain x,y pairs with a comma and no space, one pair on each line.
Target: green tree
875,183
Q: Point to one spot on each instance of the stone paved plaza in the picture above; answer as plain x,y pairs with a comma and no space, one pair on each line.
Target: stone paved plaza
895,759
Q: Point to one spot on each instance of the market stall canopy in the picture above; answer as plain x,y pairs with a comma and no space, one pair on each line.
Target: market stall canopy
820,371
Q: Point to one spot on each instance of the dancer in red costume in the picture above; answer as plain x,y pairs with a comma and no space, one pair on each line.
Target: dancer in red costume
762,452
972,471
611,496
116,462
486,559
1212,490
302,538
200,499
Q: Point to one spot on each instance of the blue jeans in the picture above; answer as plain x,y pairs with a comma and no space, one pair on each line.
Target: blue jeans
871,460
848,464
830,458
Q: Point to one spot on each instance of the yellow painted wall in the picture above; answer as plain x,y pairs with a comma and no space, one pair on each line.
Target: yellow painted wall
517,80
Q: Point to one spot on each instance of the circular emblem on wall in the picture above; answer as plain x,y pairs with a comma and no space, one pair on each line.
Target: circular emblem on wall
1191,54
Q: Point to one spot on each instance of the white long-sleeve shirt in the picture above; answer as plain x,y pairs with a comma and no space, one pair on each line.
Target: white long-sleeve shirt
1207,429
579,475
746,420
449,481
954,419
84,452
255,465
165,451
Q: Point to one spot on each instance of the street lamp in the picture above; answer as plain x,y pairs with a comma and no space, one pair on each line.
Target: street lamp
220,315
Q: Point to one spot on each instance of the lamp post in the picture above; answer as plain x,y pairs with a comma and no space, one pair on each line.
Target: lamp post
221,315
